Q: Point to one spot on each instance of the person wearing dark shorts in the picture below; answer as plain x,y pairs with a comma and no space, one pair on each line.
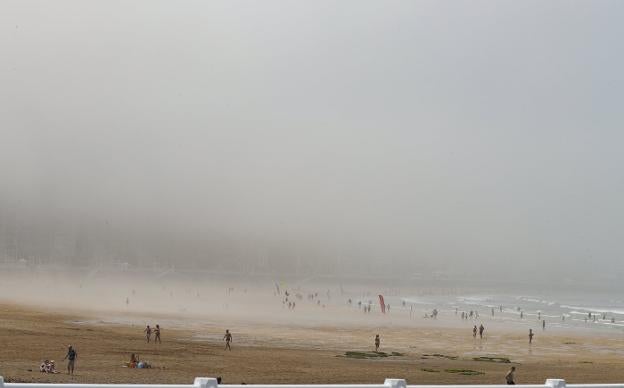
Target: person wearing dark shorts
509,377
227,338
148,333
157,334
71,357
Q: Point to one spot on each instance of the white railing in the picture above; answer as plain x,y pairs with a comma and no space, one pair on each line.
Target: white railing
206,382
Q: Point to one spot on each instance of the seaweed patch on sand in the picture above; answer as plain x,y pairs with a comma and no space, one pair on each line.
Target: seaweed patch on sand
369,355
503,360
438,355
465,372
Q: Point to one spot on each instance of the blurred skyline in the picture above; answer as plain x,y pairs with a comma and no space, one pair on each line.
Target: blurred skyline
400,136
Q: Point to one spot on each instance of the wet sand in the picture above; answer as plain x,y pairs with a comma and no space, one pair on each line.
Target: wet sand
289,353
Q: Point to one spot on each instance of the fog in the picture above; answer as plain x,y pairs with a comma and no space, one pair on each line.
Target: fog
355,138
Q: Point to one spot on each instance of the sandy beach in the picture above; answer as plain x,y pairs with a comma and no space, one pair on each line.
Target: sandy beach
292,353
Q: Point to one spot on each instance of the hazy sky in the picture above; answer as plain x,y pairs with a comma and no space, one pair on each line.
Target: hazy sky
443,132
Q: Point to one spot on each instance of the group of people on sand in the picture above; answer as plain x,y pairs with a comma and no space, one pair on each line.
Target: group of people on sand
471,315
481,329
136,362
148,333
48,366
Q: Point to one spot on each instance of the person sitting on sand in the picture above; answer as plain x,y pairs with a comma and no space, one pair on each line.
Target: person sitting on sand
157,334
148,333
377,342
48,366
134,359
509,377
227,338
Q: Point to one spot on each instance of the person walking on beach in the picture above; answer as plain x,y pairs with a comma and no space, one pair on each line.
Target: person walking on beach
157,334
377,342
71,357
474,331
544,324
531,336
481,329
509,377
227,338
148,333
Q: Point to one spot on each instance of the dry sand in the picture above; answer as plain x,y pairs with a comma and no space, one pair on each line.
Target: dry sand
289,353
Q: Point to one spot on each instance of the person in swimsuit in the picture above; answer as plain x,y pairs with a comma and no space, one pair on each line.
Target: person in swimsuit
531,336
148,333
227,338
481,329
377,342
71,357
474,331
157,334
509,377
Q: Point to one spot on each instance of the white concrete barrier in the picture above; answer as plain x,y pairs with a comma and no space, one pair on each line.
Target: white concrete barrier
207,382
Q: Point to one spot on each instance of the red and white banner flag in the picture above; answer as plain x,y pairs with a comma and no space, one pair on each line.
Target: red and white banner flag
382,304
